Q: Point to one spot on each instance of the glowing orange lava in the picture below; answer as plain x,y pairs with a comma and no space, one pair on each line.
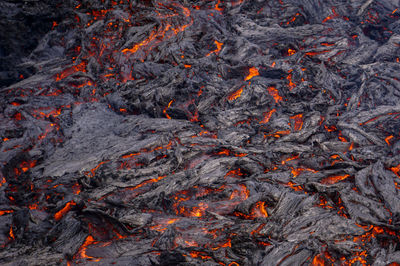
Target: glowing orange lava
219,47
64,210
166,108
298,121
253,72
236,94
333,179
275,94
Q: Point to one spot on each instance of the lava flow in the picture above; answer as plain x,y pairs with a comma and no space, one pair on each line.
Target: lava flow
193,132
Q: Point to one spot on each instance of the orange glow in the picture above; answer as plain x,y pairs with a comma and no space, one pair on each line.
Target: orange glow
155,36
6,212
241,194
359,259
274,93
43,112
341,138
92,172
149,181
375,118
161,226
217,6
253,72
199,211
33,206
330,128
333,179
146,41
277,134
298,121
259,210
11,233
64,210
82,250
188,66
290,159
334,15
396,170
25,166
224,245
236,94
291,51
219,47
318,261
387,139
267,116
18,116
317,53
351,146
224,152
166,108
130,155
199,254
293,19
171,221
76,188
294,186
236,172
297,171
71,70
291,83
48,129
324,203
258,229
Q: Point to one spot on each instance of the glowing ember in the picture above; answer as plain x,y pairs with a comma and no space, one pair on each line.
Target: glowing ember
92,172
64,210
82,250
259,210
291,51
11,233
333,179
292,85
334,15
267,116
253,72
387,139
318,261
298,121
6,212
236,94
166,108
216,51
275,94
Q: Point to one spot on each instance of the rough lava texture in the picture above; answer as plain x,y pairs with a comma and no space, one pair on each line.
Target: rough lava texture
187,132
